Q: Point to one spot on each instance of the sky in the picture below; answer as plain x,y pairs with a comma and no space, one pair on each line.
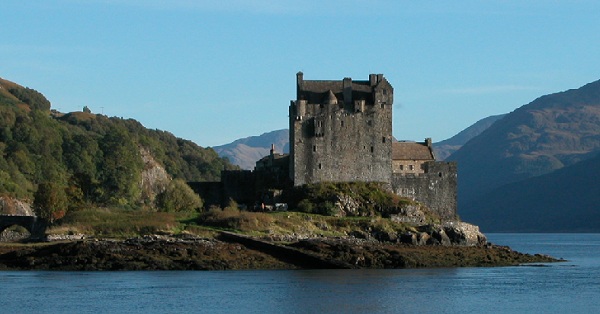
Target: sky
216,71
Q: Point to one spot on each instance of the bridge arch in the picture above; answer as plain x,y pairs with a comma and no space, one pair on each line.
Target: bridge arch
36,226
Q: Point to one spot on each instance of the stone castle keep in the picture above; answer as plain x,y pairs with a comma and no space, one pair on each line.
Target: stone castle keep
341,131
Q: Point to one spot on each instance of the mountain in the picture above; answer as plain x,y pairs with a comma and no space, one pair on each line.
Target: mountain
447,147
246,151
565,200
552,132
82,159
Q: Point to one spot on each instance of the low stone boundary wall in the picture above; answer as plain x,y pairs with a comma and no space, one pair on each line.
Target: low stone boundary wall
287,254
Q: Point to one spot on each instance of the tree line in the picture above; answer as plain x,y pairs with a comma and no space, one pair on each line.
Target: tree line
67,162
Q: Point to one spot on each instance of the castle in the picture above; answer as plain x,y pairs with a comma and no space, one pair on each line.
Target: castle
341,131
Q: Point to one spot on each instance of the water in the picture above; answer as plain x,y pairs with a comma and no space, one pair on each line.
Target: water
572,286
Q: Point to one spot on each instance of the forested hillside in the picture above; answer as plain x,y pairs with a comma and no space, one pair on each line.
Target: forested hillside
81,158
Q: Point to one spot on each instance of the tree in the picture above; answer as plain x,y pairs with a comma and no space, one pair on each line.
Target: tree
178,197
121,168
50,201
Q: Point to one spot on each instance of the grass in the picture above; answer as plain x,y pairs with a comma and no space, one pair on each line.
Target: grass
123,223
118,223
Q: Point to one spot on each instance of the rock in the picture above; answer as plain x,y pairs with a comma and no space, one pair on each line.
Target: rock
154,177
423,238
462,233
347,205
408,238
12,206
409,214
440,237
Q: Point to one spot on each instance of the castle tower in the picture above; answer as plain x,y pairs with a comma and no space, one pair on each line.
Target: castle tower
341,131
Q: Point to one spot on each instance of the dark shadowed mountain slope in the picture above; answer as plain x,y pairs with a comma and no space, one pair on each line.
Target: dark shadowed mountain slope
246,151
547,134
447,147
566,200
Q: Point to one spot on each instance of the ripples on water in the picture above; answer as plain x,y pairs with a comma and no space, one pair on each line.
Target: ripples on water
572,286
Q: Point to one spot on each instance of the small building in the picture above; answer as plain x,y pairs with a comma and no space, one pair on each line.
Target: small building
409,157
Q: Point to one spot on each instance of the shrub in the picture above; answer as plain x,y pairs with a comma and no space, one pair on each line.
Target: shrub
233,218
321,198
178,197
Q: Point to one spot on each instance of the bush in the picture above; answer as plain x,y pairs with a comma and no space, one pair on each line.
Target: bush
50,201
321,198
178,197
233,218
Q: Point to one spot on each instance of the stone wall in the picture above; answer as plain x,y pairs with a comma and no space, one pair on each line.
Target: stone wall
340,138
436,188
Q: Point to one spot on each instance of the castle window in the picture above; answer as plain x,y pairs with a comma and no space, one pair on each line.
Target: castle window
320,166
342,123
372,149
401,167
314,148
383,139
382,105
411,167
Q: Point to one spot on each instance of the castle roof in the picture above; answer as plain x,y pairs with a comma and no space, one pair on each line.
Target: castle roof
316,91
331,99
411,151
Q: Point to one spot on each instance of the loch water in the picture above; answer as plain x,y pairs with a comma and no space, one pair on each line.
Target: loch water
572,286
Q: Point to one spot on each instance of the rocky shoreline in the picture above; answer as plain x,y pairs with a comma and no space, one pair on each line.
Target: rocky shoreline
231,251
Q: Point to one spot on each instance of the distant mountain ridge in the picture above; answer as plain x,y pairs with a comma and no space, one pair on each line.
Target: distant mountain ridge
500,186
547,134
246,151
447,147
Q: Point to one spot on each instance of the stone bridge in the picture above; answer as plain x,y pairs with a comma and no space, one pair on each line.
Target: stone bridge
36,226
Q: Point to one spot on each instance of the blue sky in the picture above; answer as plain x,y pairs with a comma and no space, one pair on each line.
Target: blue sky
216,71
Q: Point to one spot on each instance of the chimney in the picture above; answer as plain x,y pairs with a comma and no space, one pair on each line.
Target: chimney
347,90
299,83
372,79
428,142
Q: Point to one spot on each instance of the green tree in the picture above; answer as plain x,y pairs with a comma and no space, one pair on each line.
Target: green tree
121,168
33,98
50,201
178,197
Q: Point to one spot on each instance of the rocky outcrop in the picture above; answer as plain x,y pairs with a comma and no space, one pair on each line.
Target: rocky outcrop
347,206
154,177
412,214
450,233
12,206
